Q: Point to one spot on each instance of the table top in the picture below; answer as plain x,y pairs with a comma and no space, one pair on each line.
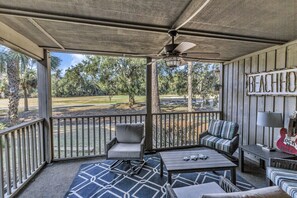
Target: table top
173,160
258,151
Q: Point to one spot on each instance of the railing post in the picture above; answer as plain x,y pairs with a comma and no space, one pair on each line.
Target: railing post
45,101
148,122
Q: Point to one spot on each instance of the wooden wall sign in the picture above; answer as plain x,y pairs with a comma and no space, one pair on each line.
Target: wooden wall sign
280,82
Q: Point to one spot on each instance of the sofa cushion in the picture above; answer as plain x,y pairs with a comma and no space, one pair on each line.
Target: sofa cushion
129,133
268,192
223,145
215,127
209,140
284,178
198,190
124,151
229,130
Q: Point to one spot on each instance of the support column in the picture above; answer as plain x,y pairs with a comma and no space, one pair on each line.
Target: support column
221,93
149,120
45,102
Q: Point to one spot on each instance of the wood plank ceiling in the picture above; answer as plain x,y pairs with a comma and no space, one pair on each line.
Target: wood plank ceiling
230,27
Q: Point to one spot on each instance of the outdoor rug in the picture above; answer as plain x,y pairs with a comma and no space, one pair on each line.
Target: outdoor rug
95,180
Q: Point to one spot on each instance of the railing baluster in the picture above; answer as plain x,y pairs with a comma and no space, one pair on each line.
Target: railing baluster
2,191
19,156
32,149
182,126
161,131
165,131
65,144
71,138
58,136
7,166
169,131
39,144
104,143
201,123
100,136
89,136
76,134
24,151
28,151
35,146
94,135
156,130
178,134
83,135
110,128
13,161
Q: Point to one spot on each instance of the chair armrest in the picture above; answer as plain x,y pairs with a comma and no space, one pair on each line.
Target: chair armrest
283,163
170,192
227,185
234,143
111,143
203,134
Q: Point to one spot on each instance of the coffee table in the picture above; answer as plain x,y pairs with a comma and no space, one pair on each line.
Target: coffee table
174,163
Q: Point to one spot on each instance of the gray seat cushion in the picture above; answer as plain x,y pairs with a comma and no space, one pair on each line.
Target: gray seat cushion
198,190
284,178
268,192
129,133
125,151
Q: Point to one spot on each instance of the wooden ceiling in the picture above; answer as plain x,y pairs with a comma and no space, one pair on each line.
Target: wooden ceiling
230,27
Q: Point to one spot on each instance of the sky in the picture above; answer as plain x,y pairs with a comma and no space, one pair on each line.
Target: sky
68,59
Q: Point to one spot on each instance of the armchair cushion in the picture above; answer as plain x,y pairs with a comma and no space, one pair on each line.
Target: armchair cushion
284,178
215,127
229,130
224,145
209,140
198,190
268,192
129,133
125,151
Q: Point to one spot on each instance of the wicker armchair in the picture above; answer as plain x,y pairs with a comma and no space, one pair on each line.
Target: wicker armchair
283,173
225,186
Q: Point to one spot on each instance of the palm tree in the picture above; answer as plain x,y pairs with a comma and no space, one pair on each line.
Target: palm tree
12,61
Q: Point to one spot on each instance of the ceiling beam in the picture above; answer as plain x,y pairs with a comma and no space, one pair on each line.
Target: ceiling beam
18,42
192,9
45,32
132,26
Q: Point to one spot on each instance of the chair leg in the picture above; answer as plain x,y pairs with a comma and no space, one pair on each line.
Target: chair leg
269,182
131,171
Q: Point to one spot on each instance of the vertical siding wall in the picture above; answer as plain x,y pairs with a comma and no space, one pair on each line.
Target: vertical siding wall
240,108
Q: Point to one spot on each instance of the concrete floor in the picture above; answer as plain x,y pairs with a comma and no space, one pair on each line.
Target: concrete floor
56,178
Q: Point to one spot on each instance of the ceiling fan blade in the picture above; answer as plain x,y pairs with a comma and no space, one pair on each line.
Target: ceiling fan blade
204,54
184,46
146,55
203,59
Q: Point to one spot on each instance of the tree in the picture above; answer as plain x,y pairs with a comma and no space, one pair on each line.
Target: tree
11,60
190,91
131,77
155,90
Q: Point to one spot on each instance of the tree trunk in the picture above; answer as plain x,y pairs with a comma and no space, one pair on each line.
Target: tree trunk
190,91
155,90
13,85
26,105
131,100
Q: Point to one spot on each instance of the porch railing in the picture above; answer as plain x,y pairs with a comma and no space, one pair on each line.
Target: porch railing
85,136
175,130
21,155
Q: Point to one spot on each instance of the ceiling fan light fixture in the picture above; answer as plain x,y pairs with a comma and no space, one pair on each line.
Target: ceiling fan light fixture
173,61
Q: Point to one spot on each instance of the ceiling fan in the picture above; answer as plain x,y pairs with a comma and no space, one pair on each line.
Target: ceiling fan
175,54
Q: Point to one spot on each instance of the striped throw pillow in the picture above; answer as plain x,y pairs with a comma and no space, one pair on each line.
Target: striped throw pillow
229,130
215,127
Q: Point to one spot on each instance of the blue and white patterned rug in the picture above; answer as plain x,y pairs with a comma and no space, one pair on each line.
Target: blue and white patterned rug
95,180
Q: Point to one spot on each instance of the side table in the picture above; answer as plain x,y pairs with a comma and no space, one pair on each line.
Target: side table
263,155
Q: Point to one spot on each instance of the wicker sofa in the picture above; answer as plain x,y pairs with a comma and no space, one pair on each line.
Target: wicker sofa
222,136
283,173
225,189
